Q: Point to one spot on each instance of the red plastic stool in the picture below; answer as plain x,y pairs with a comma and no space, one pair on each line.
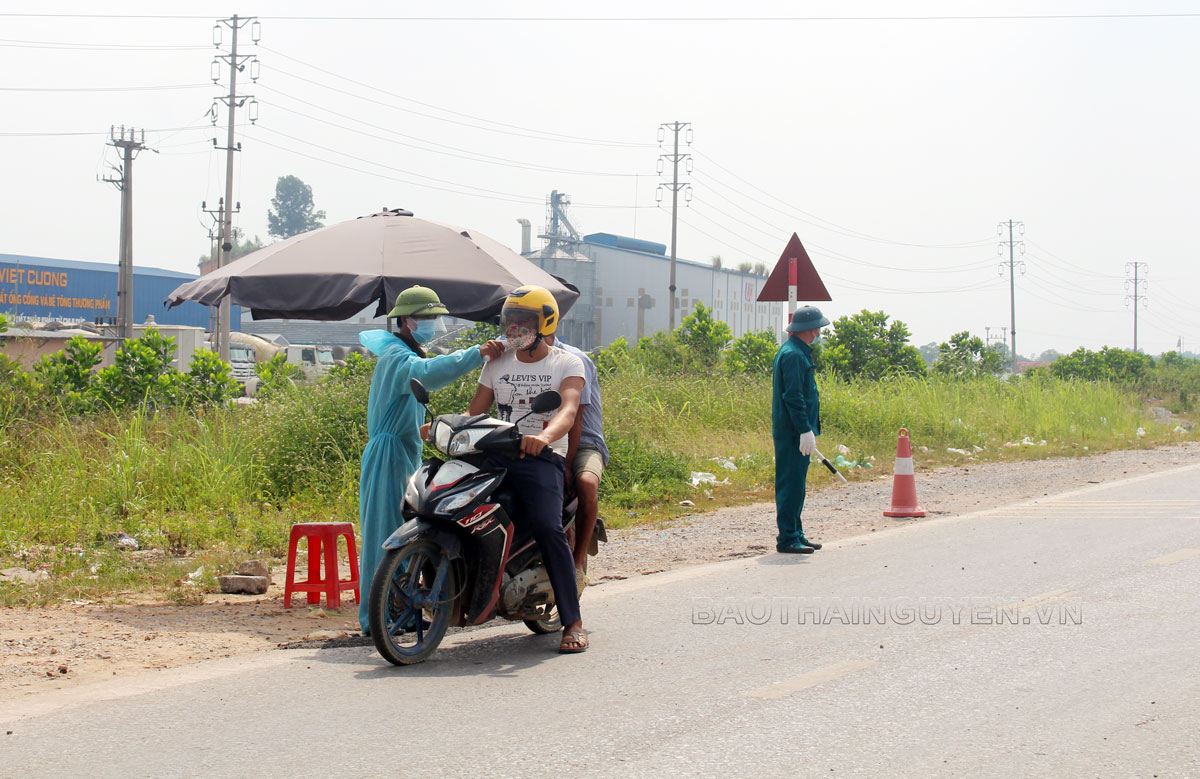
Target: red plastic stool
322,537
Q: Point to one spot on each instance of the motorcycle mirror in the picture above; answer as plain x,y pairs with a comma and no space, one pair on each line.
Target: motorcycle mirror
419,392
547,401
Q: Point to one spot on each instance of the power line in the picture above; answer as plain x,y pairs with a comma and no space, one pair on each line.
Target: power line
599,19
571,138
94,132
151,88
457,152
522,134
119,47
808,217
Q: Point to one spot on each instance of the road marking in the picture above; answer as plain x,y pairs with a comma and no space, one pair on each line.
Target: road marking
811,679
1037,600
1174,557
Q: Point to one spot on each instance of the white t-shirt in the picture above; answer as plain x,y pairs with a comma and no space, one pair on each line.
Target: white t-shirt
517,383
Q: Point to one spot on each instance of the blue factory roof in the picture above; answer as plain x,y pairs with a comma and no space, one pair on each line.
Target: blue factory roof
625,242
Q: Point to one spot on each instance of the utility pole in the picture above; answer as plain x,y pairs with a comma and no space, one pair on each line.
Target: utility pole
237,63
130,143
1134,289
675,158
1013,266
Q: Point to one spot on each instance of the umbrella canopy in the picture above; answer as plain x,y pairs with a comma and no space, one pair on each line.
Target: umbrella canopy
334,272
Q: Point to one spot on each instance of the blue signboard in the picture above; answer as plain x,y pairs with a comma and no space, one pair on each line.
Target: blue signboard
39,287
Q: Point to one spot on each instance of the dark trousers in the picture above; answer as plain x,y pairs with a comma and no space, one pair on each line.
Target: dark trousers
538,484
791,476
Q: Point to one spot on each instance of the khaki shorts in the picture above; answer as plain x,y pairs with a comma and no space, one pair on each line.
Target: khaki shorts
588,459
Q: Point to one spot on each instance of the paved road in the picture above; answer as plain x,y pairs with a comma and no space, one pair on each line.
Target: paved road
1057,637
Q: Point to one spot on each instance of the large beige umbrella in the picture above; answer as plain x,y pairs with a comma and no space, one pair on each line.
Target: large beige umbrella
334,272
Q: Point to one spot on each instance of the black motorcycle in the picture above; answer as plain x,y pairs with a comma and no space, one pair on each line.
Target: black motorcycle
458,559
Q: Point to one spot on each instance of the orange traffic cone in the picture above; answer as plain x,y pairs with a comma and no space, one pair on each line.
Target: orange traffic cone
904,485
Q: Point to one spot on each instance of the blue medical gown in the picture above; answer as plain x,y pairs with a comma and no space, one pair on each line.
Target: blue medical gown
393,453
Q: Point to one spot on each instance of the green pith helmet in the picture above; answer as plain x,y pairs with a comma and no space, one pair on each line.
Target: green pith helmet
417,300
806,318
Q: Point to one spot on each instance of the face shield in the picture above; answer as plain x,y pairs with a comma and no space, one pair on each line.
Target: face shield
425,330
520,327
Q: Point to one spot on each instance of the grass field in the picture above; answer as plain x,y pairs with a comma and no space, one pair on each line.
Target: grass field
226,482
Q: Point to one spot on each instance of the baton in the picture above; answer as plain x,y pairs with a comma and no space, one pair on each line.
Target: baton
829,465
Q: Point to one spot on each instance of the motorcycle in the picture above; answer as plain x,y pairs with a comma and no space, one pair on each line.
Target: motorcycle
458,559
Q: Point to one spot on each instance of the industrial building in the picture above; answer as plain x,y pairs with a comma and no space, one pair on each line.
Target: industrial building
40,289
624,284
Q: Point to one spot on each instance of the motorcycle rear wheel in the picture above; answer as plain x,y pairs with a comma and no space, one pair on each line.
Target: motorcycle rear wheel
548,624
408,618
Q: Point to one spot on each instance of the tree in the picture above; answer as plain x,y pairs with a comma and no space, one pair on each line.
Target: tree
1049,355
929,353
241,246
703,335
1108,364
716,261
866,345
752,353
966,355
291,211
745,267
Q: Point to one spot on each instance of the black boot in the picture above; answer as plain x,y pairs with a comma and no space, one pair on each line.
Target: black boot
806,542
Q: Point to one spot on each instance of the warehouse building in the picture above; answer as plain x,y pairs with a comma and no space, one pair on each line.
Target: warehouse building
624,285
40,289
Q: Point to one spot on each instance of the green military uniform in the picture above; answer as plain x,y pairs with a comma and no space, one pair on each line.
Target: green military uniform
795,410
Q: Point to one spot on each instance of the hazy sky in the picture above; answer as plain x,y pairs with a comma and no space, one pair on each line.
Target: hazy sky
893,146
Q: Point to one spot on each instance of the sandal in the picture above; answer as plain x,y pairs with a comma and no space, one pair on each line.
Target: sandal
577,637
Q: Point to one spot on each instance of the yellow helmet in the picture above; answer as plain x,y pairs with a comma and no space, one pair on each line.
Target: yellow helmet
532,301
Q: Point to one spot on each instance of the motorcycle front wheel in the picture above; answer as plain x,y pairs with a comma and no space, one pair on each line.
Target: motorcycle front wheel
410,602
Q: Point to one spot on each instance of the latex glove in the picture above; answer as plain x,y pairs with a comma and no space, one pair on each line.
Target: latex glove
808,443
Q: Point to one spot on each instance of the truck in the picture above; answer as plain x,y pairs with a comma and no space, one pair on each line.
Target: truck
314,360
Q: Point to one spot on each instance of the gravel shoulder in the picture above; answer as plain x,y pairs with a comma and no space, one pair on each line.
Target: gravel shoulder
67,647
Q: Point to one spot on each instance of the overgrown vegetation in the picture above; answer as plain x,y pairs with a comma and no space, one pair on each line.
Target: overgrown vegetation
163,456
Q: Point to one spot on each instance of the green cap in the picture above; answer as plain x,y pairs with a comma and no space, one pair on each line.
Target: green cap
806,318
417,300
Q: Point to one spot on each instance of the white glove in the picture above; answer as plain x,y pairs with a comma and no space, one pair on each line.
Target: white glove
808,443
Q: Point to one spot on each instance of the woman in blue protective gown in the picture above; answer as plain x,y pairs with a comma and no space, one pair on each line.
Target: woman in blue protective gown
394,417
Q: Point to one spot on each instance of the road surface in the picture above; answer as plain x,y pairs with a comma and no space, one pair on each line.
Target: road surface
1055,637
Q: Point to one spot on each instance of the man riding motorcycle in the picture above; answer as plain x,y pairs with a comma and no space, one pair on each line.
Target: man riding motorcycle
511,381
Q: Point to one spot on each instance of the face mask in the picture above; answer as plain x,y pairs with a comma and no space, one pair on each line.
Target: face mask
820,339
521,337
427,329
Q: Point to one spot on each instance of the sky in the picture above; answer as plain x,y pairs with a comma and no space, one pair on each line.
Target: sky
893,137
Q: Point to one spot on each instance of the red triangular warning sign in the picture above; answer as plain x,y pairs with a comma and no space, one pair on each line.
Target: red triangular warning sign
808,283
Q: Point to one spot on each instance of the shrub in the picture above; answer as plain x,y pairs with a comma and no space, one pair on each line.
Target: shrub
276,376
141,375
752,353
67,374
209,379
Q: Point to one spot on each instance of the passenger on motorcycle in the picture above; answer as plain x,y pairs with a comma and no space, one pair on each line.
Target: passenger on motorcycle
587,457
511,381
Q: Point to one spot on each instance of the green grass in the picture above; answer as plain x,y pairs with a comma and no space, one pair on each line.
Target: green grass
227,483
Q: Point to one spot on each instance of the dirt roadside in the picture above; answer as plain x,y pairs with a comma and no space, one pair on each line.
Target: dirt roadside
57,648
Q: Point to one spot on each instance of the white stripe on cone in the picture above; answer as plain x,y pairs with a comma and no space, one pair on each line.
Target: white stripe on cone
904,466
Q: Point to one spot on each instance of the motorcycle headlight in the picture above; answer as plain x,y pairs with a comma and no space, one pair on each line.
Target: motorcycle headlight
460,444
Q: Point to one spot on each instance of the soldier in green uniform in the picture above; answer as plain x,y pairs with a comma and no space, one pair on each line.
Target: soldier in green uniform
795,425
